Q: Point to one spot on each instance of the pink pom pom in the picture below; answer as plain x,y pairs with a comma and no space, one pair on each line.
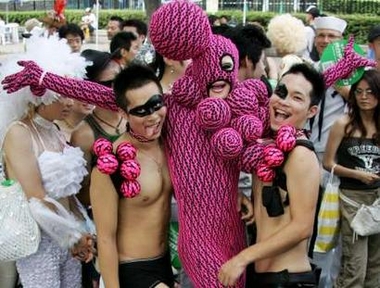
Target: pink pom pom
130,189
101,147
286,141
287,129
126,151
213,113
242,102
130,169
107,164
252,157
249,126
273,156
265,173
227,143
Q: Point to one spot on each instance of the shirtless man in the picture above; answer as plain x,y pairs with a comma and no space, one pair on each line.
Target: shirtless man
280,252
132,234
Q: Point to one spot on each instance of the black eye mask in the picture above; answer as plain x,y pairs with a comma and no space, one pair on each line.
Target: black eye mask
155,103
281,90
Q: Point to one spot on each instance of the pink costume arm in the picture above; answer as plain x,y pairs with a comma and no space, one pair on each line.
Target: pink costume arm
346,65
32,75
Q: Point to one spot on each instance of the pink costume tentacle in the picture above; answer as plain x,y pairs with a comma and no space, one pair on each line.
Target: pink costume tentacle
346,65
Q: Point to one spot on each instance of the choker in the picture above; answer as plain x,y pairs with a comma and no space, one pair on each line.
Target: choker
42,122
138,137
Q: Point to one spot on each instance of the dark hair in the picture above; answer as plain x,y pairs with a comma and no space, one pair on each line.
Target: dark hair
118,19
250,40
121,40
141,27
99,61
212,19
372,77
70,28
158,65
133,77
314,77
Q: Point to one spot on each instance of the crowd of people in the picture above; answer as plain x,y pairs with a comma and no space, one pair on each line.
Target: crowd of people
197,117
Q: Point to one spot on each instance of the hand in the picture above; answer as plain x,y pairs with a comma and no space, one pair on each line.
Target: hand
230,271
367,178
29,76
84,250
245,207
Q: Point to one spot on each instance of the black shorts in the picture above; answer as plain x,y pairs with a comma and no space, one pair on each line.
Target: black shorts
146,273
284,279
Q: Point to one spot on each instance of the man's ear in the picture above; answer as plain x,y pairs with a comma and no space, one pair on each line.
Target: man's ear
313,110
123,113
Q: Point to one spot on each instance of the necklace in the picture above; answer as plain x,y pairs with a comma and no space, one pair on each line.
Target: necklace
117,129
159,165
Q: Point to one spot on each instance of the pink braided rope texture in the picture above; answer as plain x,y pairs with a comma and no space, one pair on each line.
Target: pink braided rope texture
85,91
346,65
206,191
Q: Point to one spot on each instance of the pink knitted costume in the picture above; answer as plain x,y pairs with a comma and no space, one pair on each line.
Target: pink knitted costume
204,139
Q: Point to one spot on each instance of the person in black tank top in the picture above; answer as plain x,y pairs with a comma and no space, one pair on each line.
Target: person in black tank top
353,146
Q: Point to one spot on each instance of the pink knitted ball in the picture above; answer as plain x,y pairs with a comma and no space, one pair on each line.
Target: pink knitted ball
227,143
259,89
252,156
287,129
130,169
126,151
286,141
249,126
265,173
107,163
130,189
102,146
213,113
273,156
242,102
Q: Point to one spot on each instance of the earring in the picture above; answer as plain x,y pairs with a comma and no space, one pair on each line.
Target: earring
171,70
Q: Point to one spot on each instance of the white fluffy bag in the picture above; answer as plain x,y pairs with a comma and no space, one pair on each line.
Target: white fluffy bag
19,233
367,219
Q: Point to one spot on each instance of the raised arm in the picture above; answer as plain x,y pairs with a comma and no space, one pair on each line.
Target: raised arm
38,80
346,65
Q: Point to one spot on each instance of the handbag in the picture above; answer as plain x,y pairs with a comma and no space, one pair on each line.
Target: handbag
20,235
329,216
367,218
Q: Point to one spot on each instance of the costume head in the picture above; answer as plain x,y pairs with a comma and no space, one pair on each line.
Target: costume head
192,38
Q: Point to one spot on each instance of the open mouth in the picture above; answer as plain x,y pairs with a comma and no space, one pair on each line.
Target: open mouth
219,89
154,129
281,115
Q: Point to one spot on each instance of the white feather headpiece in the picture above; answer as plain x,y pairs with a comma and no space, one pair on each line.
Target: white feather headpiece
52,55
